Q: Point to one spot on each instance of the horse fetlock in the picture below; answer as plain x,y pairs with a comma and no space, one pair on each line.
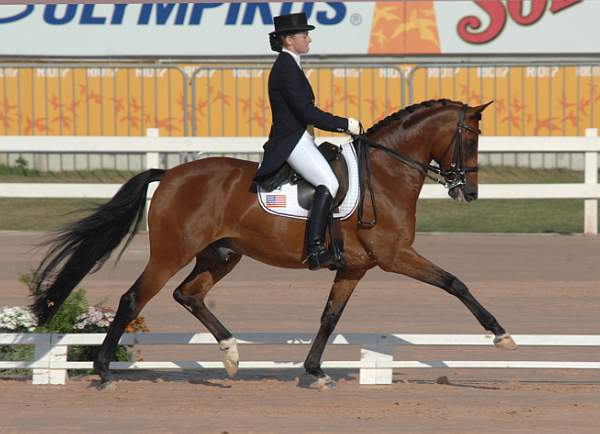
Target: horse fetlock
314,368
231,359
101,368
505,342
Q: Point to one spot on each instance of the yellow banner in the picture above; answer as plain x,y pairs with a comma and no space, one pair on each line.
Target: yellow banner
217,101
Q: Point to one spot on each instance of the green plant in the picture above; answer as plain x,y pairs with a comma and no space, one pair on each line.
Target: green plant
22,164
66,317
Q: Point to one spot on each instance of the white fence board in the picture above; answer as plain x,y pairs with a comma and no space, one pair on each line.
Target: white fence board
396,339
375,365
521,191
589,191
128,144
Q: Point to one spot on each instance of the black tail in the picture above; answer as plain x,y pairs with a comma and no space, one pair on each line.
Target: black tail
77,249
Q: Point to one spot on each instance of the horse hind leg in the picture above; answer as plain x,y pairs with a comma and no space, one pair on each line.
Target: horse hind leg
212,265
145,287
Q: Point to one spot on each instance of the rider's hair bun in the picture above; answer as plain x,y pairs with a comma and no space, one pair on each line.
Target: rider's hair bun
275,41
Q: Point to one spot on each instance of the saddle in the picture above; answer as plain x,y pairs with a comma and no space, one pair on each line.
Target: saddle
306,191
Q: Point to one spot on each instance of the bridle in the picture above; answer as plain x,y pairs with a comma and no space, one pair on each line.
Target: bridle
454,177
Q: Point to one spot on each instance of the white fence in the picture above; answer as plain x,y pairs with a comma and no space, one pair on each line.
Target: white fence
376,363
152,146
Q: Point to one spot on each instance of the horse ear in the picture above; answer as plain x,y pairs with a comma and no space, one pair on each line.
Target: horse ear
481,107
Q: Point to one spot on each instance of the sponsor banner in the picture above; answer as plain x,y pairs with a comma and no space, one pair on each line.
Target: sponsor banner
347,28
537,26
175,29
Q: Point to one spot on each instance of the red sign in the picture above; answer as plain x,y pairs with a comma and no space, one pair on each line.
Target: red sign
500,11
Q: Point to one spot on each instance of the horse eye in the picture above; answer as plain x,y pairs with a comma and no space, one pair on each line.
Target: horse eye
471,145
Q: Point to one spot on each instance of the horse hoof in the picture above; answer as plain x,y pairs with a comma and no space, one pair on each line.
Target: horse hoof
505,342
231,366
326,383
231,360
106,385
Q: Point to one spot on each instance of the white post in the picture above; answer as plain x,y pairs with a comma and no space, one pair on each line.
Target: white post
42,355
152,158
379,351
58,353
48,353
590,222
152,162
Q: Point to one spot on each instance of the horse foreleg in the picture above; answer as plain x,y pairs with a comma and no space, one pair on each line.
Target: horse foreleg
343,286
410,263
146,286
209,269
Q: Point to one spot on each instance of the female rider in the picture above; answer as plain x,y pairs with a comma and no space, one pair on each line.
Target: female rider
294,114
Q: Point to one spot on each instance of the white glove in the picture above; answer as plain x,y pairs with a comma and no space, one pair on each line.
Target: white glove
353,126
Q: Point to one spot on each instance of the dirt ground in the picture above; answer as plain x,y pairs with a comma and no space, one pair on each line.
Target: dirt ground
544,284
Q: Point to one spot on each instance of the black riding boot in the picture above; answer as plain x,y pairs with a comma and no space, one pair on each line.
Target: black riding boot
318,256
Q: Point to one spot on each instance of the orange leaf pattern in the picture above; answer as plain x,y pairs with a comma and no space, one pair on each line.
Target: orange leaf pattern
404,27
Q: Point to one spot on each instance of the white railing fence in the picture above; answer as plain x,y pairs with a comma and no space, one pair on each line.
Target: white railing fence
152,146
375,365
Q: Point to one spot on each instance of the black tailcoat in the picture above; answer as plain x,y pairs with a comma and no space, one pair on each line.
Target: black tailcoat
292,108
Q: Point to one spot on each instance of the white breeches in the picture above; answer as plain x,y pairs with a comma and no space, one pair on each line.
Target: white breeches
311,165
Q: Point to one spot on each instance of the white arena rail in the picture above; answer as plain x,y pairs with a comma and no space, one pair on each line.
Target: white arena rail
152,146
376,363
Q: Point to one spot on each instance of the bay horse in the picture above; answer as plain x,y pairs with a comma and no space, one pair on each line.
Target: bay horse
205,209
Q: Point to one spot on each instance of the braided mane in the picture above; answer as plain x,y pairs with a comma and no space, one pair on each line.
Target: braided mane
406,112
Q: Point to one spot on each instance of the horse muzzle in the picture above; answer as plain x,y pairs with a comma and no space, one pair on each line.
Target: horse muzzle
463,193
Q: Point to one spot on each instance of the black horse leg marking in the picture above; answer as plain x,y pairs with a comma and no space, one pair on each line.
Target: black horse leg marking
410,263
126,312
209,269
130,305
343,286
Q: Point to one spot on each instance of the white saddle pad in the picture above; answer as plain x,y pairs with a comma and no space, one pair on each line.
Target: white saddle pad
283,200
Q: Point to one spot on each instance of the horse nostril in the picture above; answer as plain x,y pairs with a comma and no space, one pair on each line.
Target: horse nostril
470,196
470,192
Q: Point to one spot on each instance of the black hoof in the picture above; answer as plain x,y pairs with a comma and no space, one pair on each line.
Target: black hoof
106,385
103,385
105,377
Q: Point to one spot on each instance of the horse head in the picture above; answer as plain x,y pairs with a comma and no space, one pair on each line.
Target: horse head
456,149
442,131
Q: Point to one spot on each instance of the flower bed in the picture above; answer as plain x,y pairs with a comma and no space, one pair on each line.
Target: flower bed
74,316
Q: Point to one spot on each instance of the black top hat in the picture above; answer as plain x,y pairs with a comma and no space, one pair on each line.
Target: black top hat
291,23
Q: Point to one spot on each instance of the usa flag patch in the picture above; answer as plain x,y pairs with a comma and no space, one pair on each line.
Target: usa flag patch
275,200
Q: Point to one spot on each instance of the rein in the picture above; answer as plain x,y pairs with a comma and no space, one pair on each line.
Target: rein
451,178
